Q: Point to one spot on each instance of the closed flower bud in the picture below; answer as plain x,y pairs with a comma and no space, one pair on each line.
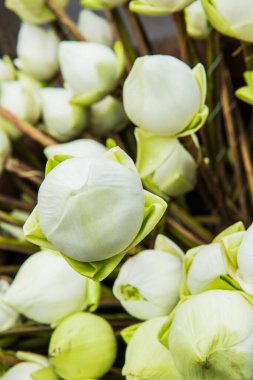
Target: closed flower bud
63,120
83,347
162,95
158,7
46,289
5,148
107,116
102,4
34,367
90,70
37,50
146,357
101,197
78,148
196,20
246,93
95,28
8,317
20,100
203,264
7,71
232,18
165,166
148,283
211,336
34,11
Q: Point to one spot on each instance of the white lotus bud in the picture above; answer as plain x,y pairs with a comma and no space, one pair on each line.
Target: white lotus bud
78,148
7,71
8,317
37,50
34,367
164,96
20,100
232,18
101,198
107,116
204,264
196,20
63,120
146,357
148,283
46,289
95,28
211,336
90,70
158,7
165,166
5,148
102,4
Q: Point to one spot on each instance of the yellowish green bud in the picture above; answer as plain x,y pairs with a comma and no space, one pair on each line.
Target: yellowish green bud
83,347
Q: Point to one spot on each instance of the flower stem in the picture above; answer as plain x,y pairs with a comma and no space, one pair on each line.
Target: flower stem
27,128
64,20
13,165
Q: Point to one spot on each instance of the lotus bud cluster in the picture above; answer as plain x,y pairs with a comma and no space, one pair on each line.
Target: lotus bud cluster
148,284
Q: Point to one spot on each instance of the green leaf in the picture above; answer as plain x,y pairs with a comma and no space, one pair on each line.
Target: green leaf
128,332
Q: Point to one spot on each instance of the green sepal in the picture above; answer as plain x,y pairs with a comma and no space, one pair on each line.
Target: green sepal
197,122
99,270
217,21
9,62
93,296
164,332
33,12
248,77
86,100
129,332
121,59
54,161
33,232
45,374
199,74
245,94
236,227
142,7
163,243
95,4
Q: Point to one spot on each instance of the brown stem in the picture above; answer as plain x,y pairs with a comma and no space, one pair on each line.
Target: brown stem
120,34
229,107
64,19
183,231
15,203
212,185
27,128
13,165
9,269
178,18
136,27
